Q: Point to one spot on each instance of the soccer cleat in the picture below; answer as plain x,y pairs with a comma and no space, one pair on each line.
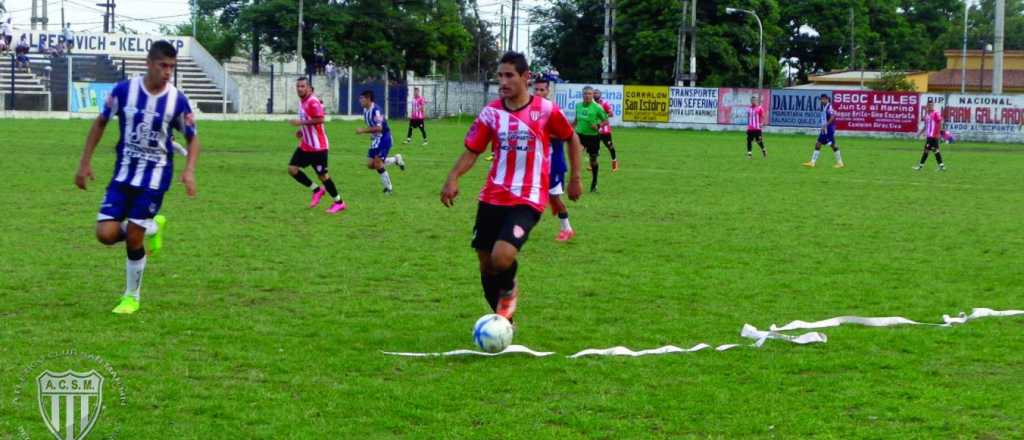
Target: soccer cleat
337,207
749,155
566,235
917,167
615,165
942,167
407,140
156,241
507,303
317,195
808,164
424,143
839,165
127,306
489,157
388,191
400,162
593,189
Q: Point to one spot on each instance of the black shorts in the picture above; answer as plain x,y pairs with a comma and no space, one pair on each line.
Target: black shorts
416,123
591,143
932,144
317,160
606,138
753,135
505,223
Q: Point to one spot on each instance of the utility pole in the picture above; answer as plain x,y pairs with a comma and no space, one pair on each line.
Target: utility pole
606,52
997,58
501,34
693,43
195,16
63,23
687,31
298,61
512,26
963,54
108,15
853,47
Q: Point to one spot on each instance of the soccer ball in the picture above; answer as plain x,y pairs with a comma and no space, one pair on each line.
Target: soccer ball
492,333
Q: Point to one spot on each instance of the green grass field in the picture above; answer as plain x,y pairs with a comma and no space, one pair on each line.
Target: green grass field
263,319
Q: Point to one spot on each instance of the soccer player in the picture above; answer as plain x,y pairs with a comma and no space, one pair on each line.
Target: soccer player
827,135
148,107
605,131
312,149
518,127
418,115
556,183
380,140
933,132
755,119
589,117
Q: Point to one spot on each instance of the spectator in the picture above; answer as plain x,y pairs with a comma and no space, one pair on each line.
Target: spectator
7,30
21,50
69,39
331,72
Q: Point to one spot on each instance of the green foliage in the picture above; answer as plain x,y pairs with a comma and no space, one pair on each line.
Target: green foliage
892,80
570,38
221,40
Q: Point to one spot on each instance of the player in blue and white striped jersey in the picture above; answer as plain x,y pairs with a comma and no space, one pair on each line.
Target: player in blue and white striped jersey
148,109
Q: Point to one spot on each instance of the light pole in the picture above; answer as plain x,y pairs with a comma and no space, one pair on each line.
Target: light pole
963,54
760,37
981,78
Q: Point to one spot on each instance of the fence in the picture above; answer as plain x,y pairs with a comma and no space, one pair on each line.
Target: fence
998,118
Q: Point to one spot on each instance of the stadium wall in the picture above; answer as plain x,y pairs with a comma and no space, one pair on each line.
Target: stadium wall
254,90
992,118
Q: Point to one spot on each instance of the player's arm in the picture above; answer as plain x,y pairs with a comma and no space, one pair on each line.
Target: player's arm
188,175
575,153
451,185
84,173
311,121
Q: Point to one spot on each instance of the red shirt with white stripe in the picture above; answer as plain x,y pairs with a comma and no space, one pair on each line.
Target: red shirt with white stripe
521,142
313,136
932,123
606,126
755,118
418,106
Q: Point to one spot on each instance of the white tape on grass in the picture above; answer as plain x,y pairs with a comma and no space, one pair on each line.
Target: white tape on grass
749,332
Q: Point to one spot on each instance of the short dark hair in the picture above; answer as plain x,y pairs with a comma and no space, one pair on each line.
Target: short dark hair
368,94
516,59
162,49
825,95
541,80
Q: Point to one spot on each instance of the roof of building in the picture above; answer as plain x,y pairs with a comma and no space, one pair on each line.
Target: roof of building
950,78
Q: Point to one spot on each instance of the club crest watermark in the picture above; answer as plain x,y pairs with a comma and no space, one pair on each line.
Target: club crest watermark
71,393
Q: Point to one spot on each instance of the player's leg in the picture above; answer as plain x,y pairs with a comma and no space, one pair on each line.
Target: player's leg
408,133
423,130
760,143
938,154
607,140
485,233
822,139
298,161
593,146
515,231
110,225
143,207
321,173
835,152
558,207
750,145
924,156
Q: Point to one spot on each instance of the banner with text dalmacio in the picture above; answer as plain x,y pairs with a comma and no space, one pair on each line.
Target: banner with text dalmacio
876,111
645,104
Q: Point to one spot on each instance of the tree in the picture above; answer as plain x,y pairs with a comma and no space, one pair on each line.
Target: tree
484,52
892,80
569,38
728,45
221,40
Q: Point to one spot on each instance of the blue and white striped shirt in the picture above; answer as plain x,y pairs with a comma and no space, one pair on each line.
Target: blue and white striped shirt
144,151
374,117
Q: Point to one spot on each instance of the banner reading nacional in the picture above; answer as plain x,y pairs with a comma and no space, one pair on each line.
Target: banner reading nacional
106,44
984,114
693,105
797,108
876,111
734,103
645,104
568,96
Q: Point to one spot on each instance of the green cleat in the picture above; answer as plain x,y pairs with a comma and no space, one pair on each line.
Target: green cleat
127,306
156,241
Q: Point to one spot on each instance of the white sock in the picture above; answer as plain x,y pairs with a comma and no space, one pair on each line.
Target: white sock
565,224
839,157
314,186
133,276
151,228
814,157
385,180
390,161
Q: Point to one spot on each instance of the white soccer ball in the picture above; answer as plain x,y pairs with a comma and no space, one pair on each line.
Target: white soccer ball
492,333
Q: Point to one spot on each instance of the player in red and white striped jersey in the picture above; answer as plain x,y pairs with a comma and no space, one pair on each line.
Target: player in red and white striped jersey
755,123
519,128
312,149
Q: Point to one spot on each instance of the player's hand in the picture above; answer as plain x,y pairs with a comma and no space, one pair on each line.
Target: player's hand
575,189
295,122
360,130
449,192
83,175
188,178
298,134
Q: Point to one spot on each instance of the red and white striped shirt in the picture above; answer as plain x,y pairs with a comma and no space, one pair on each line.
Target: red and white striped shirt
755,117
932,123
521,143
313,136
418,106
606,126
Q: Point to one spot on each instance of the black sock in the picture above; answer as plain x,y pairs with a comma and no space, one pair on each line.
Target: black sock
938,157
924,158
136,254
424,132
593,177
563,215
491,291
506,280
611,150
750,146
303,179
761,144
408,135
332,190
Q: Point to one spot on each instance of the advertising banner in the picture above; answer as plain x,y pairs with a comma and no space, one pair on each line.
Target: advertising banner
733,105
88,97
876,111
694,105
568,96
984,114
797,108
645,104
105,44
